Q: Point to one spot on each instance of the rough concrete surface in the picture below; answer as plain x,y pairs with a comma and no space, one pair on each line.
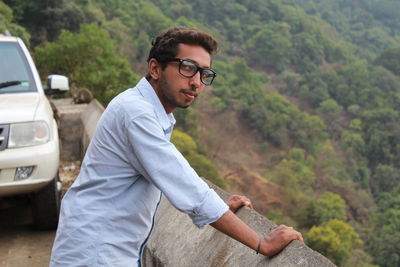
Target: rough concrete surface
70,128
177,242
77,123
89,119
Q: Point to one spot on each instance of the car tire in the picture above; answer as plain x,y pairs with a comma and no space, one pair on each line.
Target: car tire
46,206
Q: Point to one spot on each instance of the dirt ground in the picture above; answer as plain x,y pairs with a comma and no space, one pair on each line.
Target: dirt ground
236,150
20,244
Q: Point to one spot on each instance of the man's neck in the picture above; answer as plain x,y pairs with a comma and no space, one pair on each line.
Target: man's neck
154,84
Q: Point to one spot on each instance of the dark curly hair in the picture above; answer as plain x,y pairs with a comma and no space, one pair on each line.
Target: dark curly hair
166,44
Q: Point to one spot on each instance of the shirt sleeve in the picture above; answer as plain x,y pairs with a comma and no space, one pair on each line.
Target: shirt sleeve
164,166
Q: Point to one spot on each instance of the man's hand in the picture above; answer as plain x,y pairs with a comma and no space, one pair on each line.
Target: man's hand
236,201
278,239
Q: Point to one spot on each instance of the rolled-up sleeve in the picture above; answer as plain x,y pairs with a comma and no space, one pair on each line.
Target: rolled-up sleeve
164,166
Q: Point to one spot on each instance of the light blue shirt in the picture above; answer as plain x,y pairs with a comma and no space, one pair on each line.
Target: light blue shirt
108,213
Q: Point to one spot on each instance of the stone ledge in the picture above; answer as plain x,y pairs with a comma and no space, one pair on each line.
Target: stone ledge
68,116
177,242
76,123
89,119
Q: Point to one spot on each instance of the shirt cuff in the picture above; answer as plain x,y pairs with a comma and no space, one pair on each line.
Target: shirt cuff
210,210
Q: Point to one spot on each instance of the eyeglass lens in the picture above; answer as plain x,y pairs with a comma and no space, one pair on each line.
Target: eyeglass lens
189,69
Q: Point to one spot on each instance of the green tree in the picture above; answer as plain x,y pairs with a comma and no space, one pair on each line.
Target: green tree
336,240
297,181
313,88
326,207
89,59
359,258
390,59
353,142
380,135
184,143
152,20
272,44
300,155
330,109
186,121
352,139
385,246
6,23
389,200
307,131
45,19
385,178
205,168
6,11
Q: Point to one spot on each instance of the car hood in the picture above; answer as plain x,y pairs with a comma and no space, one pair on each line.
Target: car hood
18,107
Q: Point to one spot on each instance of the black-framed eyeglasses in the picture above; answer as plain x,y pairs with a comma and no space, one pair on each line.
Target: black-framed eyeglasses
188,68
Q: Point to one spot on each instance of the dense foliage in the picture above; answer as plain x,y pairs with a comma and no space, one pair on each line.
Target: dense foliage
89,60
336,239
7,23
325,94
371,25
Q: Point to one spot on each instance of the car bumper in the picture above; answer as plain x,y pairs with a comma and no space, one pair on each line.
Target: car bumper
44,159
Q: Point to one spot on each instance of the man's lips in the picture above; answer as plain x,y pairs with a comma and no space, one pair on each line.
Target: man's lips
189,95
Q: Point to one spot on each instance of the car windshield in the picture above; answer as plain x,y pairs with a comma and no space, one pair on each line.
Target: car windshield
15,74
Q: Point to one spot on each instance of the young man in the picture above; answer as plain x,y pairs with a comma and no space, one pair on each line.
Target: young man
107,215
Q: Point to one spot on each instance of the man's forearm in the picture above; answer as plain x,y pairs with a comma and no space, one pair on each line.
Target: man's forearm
234,227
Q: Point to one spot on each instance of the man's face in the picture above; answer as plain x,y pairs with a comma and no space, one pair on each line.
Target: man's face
175,90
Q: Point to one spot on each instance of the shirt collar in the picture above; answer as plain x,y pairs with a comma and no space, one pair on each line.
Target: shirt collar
147,91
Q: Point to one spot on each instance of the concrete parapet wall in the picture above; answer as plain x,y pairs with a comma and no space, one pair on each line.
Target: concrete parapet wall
89,119
77,123
176,242
68,115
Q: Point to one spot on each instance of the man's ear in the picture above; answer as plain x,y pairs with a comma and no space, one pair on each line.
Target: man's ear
154,69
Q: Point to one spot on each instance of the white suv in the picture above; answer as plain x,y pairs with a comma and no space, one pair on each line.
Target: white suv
29,144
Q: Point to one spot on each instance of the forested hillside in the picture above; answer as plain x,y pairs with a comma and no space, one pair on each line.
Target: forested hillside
316,82
372,26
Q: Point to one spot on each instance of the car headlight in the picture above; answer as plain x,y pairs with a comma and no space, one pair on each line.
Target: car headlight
28,134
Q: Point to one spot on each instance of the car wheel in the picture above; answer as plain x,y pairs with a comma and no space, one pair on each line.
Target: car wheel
46,205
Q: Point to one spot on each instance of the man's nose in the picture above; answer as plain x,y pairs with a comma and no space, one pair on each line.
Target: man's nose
195,81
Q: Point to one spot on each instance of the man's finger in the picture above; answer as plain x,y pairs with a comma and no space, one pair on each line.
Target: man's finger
300,237
282,226
297,235
249,204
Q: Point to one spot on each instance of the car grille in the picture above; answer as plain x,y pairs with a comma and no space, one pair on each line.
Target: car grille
4,129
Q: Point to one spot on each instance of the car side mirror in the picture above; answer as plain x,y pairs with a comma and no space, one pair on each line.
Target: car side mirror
56,84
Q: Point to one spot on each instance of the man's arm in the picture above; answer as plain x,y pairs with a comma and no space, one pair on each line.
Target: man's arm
271,244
